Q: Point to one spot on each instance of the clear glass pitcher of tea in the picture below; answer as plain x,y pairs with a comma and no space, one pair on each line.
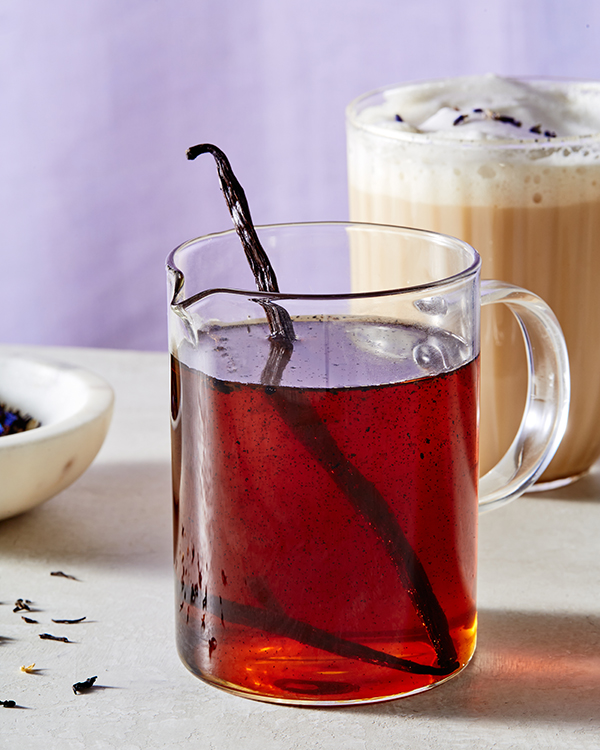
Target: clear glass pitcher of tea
325,488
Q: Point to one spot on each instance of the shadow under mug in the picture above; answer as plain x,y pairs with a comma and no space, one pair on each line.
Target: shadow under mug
326,490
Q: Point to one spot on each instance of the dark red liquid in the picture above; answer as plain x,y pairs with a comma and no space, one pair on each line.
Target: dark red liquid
287,584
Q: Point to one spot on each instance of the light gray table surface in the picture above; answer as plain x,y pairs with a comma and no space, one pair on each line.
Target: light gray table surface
533,683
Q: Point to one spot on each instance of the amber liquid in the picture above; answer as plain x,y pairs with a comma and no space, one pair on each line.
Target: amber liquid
553,252
287,589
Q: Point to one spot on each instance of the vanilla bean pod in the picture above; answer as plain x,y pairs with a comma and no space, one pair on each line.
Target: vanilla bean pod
305,424
280,323
278,623
368,502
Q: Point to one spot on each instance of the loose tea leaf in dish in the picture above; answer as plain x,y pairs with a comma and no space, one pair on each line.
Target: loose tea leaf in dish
29,620
22,604
49,637
82,687
13,421
60,574
8,704
69,622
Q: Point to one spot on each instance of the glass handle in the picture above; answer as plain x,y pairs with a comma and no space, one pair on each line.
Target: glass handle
548,395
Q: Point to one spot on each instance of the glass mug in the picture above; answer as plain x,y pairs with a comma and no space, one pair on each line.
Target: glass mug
326,494
532,210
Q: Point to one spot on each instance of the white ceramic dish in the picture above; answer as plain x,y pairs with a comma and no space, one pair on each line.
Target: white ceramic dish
74,407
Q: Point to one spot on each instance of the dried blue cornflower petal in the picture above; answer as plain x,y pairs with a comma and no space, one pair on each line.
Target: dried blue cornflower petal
13,421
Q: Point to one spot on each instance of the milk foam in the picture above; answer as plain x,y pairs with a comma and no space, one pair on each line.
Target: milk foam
464,109
478,140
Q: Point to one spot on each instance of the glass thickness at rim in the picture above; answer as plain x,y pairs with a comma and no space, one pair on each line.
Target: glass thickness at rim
436,238
377,97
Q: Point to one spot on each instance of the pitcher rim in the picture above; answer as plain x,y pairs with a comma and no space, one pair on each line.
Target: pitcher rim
470,270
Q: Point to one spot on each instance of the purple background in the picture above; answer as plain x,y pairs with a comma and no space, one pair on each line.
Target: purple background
101,98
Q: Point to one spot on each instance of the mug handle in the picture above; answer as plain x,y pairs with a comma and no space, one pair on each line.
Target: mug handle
548,394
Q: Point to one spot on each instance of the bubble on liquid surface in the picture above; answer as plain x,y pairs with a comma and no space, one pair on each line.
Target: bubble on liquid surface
432,305
429,357
433,350
388,342
439,352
